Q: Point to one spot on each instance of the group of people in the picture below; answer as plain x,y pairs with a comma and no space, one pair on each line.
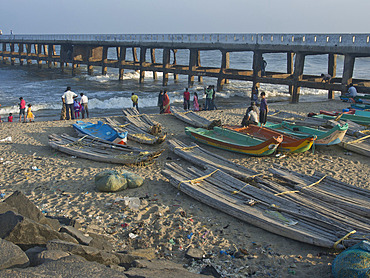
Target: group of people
27,115
254,115
72,107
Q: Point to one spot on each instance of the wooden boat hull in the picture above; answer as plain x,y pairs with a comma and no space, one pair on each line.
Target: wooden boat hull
326,138
357,99
194,119
361,120
101,130
234,141
102,151
289,143
290,216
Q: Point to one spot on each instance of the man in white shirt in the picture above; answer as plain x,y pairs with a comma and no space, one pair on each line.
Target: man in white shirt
68,98
84,100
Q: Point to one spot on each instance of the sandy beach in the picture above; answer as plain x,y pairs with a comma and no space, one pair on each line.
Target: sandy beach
168,222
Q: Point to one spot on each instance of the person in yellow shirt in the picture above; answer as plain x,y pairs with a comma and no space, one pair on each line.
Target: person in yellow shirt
135,101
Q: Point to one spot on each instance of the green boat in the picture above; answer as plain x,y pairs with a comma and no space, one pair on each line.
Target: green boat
234,141
361,120
360,106
326,138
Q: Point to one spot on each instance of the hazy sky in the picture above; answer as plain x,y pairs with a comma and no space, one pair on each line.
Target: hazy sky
188,16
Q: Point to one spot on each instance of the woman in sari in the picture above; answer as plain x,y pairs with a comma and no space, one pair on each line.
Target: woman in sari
166,103
195,102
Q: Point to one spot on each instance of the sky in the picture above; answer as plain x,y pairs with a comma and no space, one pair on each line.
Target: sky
182,17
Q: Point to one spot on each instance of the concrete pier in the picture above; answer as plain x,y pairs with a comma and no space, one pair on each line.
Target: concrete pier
92,51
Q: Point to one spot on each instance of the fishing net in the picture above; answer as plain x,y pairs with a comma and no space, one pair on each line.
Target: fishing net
353,262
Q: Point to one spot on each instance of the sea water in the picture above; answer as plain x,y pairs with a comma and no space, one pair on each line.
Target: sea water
107,95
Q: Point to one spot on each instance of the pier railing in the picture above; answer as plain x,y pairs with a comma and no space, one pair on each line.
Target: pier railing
345,40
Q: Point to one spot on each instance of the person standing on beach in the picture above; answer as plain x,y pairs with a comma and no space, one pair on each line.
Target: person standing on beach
68,98
166,103
209,92
22,109
84,100
213,103
160,102
135,101
195,102
263,109
10,118
30,115
186,99
263,66
254,96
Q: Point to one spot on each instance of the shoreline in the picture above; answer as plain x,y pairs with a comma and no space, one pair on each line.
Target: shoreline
64,186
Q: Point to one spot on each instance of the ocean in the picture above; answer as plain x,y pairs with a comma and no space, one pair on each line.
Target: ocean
107,95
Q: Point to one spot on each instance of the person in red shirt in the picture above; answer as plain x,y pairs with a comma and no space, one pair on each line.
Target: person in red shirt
22,110
10,118
186,99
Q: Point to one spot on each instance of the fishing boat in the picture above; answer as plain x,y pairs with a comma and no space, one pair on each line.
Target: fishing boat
132,116
331,137
233,141
102,131
194,119
360,106
357,99
332,214
361,120
290,143
96,149
350,111
136,133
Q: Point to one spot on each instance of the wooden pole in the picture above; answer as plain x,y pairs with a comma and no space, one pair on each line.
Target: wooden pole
90,67
349,64
142,62
4,50
122,61
104,60
192,66
257,72
166,65
152,56
50,55
134,56
290,67
175,76
200,78
297,76
20,52
224,65
28,49
332,70
12,59
38,52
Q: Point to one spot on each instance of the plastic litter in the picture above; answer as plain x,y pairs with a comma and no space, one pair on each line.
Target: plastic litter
35,168
132,202
7,139
2,195
190,235
132,235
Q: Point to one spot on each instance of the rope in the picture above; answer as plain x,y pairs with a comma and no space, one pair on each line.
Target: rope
343,238
197,179
297,191
338,117
250,177
359,140
186,148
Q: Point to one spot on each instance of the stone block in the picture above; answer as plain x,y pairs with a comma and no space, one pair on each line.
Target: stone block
81,238
11,255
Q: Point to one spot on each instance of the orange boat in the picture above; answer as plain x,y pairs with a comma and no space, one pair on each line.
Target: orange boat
290,143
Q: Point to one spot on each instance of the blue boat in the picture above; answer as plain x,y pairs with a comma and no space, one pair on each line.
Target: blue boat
101,130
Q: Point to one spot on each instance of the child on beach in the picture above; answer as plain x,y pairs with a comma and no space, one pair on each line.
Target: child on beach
77,108
263,109
10,118
30,115
195,102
